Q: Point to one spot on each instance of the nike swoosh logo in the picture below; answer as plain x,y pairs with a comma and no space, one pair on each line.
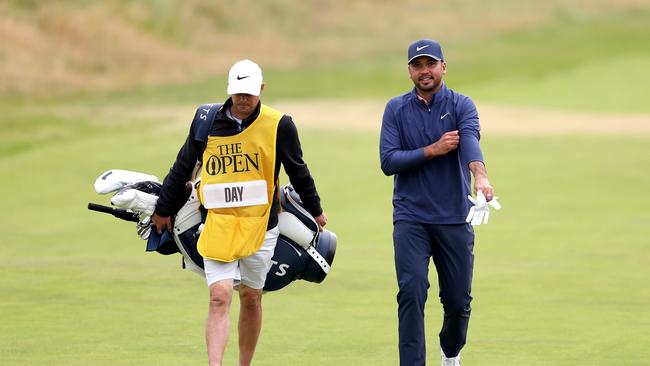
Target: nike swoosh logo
242,77
421,48
444,115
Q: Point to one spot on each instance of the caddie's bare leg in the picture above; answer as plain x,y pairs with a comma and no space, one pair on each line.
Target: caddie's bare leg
250,322
217,326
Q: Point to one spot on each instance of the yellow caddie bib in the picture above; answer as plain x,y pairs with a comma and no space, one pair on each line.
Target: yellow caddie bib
237,184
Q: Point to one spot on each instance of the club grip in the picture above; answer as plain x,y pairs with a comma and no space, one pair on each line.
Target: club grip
120,213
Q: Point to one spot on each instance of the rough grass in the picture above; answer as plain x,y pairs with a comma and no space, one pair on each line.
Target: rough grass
587,64
63,47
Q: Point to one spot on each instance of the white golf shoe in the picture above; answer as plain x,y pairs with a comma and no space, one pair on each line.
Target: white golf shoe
453,361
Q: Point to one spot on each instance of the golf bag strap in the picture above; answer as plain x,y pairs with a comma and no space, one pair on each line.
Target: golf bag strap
319,259
203,120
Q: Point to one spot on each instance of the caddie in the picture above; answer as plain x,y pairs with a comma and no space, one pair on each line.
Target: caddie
240,164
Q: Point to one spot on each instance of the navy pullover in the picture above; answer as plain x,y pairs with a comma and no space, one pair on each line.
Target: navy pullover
429,191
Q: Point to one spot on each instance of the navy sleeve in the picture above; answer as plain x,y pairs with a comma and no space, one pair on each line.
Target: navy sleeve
393,159
289,153
173,195
469,130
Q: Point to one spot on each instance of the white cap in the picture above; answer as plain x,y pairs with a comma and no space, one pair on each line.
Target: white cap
245,77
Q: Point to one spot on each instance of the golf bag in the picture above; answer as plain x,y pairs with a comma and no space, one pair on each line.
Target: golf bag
301,252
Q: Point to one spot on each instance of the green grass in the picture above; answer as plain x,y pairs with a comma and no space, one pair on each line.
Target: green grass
560,274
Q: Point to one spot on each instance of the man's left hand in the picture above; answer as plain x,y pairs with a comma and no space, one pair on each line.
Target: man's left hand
482,184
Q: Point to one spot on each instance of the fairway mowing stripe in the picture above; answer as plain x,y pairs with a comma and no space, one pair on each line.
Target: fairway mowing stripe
366,115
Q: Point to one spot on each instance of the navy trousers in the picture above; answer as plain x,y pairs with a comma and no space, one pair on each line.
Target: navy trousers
452,249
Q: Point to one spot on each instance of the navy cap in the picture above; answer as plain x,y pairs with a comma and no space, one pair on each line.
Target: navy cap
425,47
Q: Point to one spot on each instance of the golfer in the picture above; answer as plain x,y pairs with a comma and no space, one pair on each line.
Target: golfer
430,144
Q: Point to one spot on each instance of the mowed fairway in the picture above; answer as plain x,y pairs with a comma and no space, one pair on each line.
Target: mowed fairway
560,274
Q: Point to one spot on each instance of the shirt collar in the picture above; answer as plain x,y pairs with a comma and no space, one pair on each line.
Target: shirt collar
435,99
247,121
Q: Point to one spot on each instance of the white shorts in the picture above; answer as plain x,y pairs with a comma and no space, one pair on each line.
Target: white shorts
250,271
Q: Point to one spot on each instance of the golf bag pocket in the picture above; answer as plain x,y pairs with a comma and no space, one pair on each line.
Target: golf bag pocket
290,202
294,229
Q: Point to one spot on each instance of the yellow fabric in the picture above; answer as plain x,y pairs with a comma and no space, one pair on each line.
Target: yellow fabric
237,232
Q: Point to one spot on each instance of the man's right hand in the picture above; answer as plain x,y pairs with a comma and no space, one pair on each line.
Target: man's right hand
321,220
448,142
160,222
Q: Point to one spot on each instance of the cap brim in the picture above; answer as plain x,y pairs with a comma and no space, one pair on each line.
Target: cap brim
239,88
424,54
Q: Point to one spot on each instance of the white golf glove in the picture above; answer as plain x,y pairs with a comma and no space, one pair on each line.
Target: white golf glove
480,212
